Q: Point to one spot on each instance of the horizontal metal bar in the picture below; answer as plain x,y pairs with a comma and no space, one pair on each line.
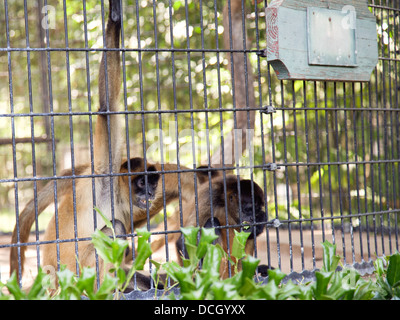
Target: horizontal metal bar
186,50
349,216
6,141
94,113
225,168
377,6
178,111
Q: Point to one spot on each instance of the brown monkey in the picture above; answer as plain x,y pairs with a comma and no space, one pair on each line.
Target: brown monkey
220,208
112,192
45,197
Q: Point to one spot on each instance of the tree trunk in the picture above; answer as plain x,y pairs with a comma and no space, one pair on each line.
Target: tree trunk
235,143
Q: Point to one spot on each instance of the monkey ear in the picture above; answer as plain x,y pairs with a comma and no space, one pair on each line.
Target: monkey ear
212,223
203,176
153,178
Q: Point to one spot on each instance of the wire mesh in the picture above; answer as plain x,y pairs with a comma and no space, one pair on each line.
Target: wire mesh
326,154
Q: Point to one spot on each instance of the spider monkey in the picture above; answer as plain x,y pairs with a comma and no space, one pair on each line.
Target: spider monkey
212,212
112,192
220,208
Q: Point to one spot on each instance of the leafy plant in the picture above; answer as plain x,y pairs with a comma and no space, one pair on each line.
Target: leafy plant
388,280
206,283
72,287
197,283
112,251
199,277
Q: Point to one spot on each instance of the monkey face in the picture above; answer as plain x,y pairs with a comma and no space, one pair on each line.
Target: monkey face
252,207
245,208
142,192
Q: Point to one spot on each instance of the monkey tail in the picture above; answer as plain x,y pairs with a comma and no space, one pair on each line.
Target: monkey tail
44,198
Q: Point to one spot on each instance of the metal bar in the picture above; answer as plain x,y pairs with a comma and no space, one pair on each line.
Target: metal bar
28,56
32,139
140,112
71,135
14,156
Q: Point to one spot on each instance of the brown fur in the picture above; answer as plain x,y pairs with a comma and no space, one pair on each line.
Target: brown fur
26,218
84,213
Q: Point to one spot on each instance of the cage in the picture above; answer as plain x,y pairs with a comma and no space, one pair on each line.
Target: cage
198,92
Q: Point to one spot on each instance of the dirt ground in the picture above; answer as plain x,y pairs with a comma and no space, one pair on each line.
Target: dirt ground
287,262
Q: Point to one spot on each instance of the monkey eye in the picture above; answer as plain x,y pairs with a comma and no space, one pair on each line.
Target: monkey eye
141,183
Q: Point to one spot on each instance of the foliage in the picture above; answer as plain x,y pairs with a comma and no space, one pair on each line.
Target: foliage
205,282
388,280
73,287
199,277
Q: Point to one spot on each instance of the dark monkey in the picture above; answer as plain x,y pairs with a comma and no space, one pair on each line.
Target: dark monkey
220,208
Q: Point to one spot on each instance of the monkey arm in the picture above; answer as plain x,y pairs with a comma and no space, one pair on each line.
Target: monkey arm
108,129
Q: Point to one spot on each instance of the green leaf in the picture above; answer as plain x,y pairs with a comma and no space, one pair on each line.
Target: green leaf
212,262
105,220
383,288
121,275
3,296
118,247
184,277
321,284
305,292
341,285
107,288
156,264
330,259
379,267
143,249
365,291
249,266
13,286
103,245
171,268
239,244
190,235
393,270
86,282
155,272
223,291
67,282
276,275
290,290
38,289
269,291
192,252
207,237
248,287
